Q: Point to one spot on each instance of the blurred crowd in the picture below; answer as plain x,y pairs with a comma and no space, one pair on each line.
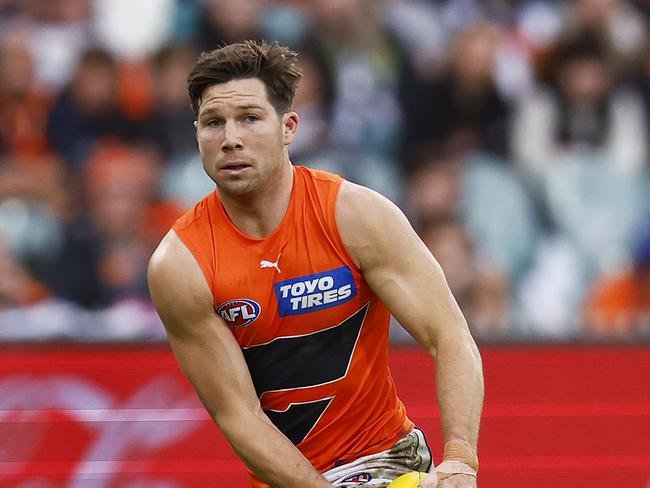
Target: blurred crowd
514,134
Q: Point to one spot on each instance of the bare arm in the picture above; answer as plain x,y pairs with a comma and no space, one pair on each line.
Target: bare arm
212,360
407,278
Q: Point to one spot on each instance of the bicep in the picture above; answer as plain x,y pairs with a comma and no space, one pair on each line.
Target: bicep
399,268
413,287
203,344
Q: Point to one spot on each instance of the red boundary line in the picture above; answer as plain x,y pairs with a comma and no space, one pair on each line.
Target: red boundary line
415,411
546,410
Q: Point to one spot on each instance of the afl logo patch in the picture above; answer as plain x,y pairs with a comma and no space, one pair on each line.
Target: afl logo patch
239,312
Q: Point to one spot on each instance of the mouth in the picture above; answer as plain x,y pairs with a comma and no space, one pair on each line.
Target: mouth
235,167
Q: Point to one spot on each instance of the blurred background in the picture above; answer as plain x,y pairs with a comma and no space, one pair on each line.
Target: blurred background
514,135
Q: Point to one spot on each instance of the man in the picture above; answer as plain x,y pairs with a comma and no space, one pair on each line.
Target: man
275,291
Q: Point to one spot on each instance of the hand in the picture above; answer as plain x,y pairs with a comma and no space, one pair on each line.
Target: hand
430,481
456,481
455,474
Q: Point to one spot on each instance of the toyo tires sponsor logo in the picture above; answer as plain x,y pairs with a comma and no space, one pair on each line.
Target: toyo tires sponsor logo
239,312
315,292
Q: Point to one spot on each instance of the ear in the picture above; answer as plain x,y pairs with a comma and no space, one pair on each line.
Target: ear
289,127
196,130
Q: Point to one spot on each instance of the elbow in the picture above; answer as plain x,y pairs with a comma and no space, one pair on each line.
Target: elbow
231,422
457,341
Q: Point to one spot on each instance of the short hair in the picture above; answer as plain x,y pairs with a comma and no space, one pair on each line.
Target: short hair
276,66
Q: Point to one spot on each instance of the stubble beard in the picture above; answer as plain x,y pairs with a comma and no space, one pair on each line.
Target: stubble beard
248,185
235,186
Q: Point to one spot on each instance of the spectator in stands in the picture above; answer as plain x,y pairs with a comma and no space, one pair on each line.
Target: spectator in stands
28,169
434,184
171,123
618,21
224,21
452,246
365,61
460,110
32,193
23,105
88,110
104,253
376,73
580,140
579,107
502,231
314,101
171,126
59,31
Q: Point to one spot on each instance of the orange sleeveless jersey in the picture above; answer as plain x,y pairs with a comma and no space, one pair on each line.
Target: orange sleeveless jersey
314,335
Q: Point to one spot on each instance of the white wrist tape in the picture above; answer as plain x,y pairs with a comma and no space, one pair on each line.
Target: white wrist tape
451,467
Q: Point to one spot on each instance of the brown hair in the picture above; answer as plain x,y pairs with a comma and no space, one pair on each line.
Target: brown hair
275,65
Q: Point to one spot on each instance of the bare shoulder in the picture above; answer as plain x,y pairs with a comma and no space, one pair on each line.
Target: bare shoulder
356,200
170,257
370,224
176,283
168,247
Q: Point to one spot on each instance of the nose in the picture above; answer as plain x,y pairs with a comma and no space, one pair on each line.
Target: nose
232,140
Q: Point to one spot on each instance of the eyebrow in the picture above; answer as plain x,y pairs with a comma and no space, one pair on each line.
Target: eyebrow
241,108
251,106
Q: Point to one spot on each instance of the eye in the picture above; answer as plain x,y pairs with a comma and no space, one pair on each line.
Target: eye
251,118
214,123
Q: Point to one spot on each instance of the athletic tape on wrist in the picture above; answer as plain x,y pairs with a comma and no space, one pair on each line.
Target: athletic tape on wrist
450,467
459,450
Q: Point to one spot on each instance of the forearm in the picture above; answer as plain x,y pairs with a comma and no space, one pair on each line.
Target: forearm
212,360
268,453
459,386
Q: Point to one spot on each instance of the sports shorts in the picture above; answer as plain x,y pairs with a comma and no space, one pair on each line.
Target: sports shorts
410,453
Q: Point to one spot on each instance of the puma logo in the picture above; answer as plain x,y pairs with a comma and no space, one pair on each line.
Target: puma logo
269,264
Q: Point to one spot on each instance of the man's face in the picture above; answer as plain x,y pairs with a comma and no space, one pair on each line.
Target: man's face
241,137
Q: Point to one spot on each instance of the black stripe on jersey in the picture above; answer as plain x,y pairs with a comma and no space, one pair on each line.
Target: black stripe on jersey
303,361
299,419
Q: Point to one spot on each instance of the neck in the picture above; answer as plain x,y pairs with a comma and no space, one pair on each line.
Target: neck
258,214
